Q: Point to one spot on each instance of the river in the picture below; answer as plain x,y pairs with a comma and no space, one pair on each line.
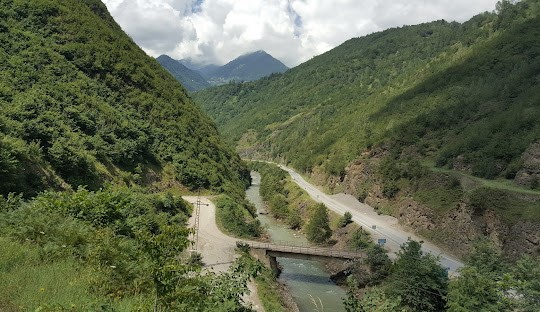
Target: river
307,281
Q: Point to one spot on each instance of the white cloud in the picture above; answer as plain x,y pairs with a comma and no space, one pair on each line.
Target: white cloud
216,31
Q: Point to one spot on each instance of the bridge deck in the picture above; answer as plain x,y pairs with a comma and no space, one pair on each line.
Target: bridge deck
306,250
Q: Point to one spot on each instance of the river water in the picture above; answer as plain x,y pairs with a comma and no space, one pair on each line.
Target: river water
307,280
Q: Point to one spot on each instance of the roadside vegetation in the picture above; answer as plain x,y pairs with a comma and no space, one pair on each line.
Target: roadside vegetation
237,217
416,282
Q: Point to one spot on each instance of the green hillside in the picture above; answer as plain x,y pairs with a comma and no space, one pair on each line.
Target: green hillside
97,142
422,122
81,104
448,89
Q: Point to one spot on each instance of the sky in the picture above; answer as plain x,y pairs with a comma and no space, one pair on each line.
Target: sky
293,31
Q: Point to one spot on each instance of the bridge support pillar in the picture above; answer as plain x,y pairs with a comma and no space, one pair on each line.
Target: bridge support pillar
274,265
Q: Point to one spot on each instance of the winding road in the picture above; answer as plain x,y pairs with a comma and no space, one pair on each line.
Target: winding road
379,226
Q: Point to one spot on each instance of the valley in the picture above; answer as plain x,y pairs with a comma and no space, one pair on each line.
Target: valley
414,149
400,120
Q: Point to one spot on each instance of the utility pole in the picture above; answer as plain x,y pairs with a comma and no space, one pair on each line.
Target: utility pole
197,220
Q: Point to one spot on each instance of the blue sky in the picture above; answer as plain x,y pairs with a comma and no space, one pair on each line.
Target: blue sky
217,31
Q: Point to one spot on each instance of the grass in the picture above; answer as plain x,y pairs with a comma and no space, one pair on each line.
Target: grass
500,184
440,192
511,206
269,291
29,283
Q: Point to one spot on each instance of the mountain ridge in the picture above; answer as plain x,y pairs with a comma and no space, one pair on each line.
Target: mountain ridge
191,79
246,67
94,107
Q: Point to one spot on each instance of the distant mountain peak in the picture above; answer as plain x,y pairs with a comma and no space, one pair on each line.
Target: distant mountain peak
248,67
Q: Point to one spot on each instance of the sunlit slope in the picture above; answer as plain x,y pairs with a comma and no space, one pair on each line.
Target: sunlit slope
466,92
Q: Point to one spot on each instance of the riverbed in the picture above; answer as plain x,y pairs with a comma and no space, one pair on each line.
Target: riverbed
308,282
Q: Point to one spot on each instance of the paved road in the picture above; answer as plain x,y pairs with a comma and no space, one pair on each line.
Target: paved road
380,227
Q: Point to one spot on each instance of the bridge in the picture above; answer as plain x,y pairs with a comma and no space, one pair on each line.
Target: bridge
271,251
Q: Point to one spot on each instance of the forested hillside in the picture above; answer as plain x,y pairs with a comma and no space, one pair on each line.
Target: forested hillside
97,142
81,104
411,120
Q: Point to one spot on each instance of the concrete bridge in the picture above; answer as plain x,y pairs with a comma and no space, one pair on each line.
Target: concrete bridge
271,251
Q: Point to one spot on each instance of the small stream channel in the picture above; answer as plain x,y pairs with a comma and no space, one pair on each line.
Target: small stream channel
306,280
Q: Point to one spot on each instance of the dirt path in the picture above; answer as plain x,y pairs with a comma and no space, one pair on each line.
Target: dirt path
216,248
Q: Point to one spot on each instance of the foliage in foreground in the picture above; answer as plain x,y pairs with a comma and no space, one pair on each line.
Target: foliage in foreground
116,249
416,282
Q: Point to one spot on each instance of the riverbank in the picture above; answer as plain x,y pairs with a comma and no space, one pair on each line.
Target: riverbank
307,281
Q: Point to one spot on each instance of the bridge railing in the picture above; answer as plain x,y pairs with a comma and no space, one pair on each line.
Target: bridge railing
289,247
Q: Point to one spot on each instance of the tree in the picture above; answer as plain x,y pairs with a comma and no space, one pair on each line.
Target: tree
481,284
318,228
526,273
474,291
417,279
346,219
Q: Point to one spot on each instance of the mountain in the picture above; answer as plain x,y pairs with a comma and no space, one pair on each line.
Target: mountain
82,104
203,69
248,67
435,124
190,79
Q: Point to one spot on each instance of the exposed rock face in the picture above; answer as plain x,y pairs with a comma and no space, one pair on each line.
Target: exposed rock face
458,228
416,216
523,237
530,174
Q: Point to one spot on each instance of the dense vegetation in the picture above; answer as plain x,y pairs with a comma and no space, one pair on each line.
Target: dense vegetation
237,217
96,141
414,281
190,79
115,249
290,204
453,91
81,104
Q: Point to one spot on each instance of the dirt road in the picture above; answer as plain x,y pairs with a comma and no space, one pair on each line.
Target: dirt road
216,248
